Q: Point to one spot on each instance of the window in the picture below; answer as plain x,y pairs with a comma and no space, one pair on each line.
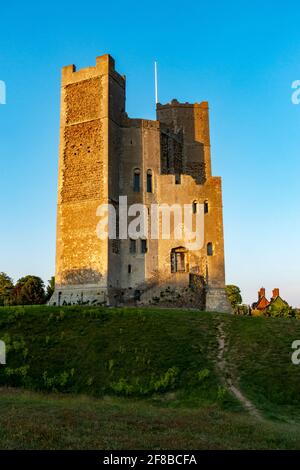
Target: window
132,246
205,207
144,247
210,250
137,181
129,269
149,181
179,260
195,207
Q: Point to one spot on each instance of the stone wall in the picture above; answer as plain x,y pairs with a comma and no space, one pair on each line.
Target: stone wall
85,178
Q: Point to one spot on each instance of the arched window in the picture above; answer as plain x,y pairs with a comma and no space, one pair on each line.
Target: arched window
149,181
210,249
179,260
136,180
195,207
205,207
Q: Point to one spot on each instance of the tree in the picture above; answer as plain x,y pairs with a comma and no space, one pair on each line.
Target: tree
29,290
234,295
279,308
50,288
6,288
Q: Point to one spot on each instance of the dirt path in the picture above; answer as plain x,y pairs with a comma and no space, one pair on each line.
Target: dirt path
227,378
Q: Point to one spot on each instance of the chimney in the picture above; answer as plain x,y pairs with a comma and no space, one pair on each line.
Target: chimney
261,293
275,293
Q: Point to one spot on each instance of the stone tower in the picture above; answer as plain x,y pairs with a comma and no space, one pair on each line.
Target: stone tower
104,155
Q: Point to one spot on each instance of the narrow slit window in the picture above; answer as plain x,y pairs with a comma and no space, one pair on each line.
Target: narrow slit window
177,178
210,249
144,247
149,181
137,181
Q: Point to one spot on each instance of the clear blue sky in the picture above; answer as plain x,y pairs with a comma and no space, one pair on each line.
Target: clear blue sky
241,56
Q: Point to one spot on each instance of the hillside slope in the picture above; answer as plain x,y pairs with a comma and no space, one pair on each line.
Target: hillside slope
168,356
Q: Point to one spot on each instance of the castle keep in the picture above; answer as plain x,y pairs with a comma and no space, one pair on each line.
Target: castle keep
104,155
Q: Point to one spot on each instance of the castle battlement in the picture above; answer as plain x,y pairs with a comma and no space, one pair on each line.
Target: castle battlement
105,65
176,104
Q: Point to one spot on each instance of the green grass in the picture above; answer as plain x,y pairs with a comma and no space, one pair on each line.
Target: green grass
30,420
87,377
260,356
129,352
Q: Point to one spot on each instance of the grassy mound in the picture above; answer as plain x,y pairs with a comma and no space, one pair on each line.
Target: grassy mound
169,356
132,352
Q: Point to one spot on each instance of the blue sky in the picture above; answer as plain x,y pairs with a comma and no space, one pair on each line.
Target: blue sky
241,56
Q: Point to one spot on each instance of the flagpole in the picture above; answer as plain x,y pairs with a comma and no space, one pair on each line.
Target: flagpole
156,82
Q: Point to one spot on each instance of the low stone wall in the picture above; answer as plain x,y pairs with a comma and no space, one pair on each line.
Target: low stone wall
79,295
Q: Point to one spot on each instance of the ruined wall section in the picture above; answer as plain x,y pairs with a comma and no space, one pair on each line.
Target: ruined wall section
190,120
171,147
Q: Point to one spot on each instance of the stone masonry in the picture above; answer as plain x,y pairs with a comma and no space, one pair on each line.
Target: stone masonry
104,155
